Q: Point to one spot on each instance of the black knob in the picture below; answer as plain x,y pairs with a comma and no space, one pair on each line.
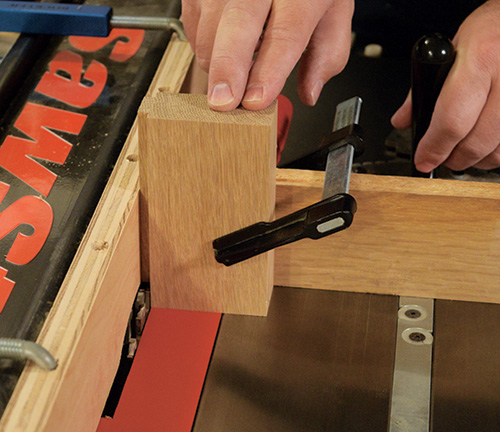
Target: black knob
432,58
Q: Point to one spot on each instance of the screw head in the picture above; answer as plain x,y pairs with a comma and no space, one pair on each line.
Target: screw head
417,337
413,313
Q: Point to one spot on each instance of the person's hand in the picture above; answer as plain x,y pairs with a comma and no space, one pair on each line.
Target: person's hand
249,47
465,126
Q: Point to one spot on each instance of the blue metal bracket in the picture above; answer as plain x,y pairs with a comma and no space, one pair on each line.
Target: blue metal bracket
54,18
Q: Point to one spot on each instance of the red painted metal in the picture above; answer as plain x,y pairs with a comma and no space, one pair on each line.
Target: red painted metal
166,379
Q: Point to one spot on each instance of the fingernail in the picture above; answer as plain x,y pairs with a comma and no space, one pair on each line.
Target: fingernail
254,93
316,91
425,167
221,95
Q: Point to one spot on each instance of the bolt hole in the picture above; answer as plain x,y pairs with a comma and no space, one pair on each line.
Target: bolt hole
133,157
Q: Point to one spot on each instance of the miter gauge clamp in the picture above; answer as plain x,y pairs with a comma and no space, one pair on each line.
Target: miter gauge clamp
333,213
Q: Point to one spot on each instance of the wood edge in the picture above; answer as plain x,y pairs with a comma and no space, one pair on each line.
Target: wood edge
170,77
393,184
35,395
187,107
437,294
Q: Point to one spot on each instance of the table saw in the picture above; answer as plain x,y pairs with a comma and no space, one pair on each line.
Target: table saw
327,356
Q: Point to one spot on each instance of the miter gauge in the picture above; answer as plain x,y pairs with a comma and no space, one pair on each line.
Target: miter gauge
333,213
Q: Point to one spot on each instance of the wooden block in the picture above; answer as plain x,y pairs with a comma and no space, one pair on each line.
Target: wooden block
208,174
413,237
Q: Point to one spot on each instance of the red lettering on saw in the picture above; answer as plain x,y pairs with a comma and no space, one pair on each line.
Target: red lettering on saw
72,91
27,210
35,121
65,81
6,287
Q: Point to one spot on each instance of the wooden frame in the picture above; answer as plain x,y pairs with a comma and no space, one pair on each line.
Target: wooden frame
410,236
452,252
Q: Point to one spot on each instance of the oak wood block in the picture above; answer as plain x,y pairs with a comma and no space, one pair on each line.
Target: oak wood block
410,236
208,173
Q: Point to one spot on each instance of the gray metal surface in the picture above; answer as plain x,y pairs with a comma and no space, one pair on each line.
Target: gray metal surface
149,23
338,171
339,161
347,113
320,361
466,367
411,389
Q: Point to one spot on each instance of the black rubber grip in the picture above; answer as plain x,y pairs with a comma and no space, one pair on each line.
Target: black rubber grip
432,58
316,221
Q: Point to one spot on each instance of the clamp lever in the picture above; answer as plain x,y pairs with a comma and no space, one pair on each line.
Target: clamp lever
432,58
333,213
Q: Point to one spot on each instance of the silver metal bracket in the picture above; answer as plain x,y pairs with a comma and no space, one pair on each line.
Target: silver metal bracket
150,23
411,389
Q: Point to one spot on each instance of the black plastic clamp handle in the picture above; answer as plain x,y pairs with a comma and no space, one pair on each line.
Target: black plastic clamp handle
432,58
318,220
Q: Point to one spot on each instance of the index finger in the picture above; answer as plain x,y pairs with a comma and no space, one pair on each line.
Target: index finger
237,36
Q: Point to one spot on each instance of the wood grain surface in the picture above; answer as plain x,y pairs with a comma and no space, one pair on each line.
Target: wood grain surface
208,173
413,237
175,73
